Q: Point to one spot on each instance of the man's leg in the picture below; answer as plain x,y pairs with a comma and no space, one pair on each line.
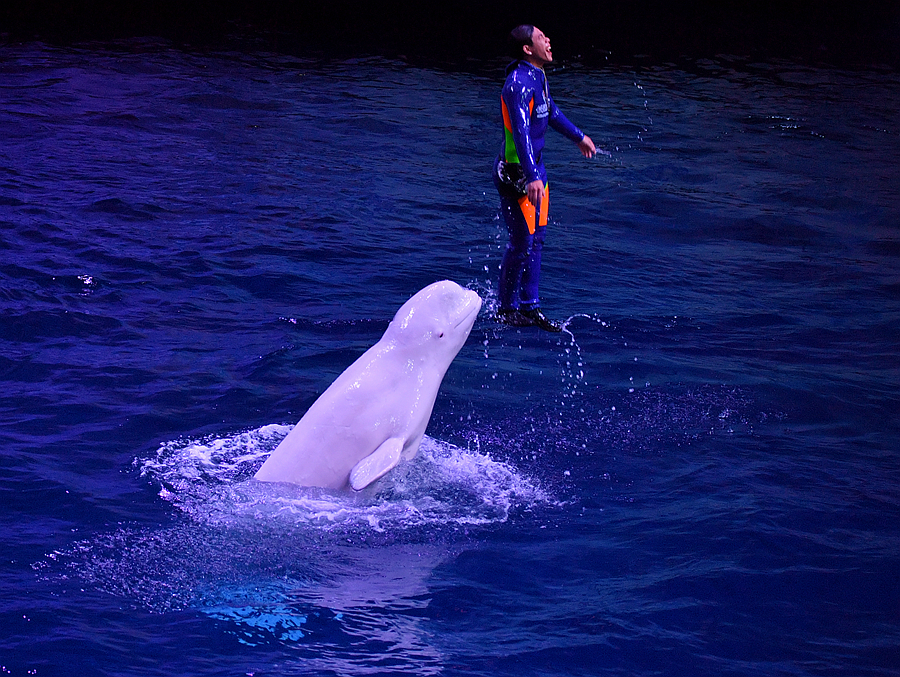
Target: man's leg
529,296
517,253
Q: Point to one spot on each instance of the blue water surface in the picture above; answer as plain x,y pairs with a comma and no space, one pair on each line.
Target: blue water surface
699,476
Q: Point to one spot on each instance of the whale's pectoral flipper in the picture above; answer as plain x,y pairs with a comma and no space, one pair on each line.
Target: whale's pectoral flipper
376,464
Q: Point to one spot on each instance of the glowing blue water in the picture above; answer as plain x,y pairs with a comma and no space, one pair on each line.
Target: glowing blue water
699,477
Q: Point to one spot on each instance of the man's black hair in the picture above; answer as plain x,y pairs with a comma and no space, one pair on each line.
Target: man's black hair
518,38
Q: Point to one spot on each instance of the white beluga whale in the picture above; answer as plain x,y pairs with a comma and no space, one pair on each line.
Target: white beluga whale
376,412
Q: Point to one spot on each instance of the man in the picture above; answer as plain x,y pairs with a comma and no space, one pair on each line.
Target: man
521,179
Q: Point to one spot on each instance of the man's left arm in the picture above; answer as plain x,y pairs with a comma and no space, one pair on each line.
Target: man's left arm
561,124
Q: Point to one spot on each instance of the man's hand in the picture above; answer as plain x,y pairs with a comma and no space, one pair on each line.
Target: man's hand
586,146
535,190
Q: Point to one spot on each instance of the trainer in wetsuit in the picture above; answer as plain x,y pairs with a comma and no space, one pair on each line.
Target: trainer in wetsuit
521,179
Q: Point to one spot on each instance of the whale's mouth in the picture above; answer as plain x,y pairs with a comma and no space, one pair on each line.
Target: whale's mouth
472,308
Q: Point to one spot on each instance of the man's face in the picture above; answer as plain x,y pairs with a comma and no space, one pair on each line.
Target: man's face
540,47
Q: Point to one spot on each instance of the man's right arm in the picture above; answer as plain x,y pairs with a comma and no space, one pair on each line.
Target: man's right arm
517,99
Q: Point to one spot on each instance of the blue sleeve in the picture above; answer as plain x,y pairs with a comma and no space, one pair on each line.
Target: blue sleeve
561,123
517,98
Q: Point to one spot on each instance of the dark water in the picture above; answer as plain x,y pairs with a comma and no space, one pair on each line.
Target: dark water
700,477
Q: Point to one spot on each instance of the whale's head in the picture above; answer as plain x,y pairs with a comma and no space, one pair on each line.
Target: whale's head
435,323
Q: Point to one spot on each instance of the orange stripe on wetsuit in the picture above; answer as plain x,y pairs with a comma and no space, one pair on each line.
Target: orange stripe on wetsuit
531,214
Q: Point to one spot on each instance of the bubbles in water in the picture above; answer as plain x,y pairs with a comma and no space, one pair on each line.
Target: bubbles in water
259,612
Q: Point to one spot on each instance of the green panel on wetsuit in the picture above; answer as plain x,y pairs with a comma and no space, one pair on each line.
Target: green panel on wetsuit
510,154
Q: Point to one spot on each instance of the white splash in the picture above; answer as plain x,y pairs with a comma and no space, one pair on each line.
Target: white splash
211,480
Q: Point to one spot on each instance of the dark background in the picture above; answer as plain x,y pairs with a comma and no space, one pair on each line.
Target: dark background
843,33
